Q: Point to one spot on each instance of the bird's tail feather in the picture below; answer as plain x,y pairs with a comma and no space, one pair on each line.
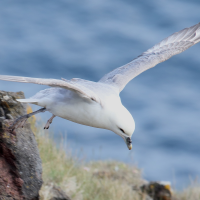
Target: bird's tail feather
27,100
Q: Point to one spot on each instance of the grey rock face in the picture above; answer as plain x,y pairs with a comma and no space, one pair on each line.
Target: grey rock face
20,163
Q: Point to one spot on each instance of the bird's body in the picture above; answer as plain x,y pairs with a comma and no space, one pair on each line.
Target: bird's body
71,106
98,104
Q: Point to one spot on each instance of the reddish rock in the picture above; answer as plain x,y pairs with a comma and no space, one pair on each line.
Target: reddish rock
20,163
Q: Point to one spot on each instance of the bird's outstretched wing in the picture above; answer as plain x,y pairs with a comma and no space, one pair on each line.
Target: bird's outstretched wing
172,45
67,84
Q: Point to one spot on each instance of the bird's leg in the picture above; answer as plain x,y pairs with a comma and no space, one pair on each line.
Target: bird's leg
49,122
19,122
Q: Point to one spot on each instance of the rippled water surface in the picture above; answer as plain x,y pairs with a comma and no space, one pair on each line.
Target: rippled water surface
64,38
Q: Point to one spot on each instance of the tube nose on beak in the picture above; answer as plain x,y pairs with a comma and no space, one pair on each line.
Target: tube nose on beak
129,143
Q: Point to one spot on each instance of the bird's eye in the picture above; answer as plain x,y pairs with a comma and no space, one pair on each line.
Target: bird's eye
121,130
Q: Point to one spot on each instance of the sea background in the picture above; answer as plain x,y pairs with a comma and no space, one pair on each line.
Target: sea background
88,38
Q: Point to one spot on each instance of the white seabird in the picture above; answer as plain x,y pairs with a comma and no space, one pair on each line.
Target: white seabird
98,104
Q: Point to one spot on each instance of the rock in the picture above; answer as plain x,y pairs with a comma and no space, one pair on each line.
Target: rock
157,191
58,194
20,163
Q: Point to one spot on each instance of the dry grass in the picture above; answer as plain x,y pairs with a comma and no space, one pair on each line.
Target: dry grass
191,193
95,181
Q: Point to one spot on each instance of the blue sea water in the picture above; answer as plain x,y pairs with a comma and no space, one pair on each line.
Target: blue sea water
86,39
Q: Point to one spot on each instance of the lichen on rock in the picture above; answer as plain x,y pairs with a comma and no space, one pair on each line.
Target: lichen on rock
20,163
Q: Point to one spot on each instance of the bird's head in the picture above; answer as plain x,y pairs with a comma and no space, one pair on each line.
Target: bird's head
123,125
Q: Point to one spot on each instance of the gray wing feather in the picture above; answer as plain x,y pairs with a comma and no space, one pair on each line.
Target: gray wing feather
172,45
67,84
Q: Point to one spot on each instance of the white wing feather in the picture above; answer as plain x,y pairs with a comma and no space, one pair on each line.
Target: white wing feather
172,45
70,85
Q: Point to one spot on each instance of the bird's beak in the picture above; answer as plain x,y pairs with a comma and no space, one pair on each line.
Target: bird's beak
129,143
